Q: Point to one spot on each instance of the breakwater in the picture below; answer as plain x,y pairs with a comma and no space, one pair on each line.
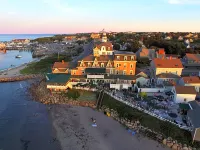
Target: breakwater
19,78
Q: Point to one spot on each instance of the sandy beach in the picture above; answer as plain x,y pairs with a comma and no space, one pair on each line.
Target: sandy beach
12,72
74,131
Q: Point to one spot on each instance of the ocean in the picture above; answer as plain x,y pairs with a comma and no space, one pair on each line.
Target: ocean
9,37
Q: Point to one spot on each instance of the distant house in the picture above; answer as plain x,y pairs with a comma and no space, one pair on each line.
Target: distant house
21,41
95,36
145,53
193,119
160,53
159,66
70,38
180,38
183,94
191,81
62,67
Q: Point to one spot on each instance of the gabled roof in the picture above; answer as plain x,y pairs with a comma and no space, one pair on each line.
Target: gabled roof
167,63
61,65
185,90
194,57
191,79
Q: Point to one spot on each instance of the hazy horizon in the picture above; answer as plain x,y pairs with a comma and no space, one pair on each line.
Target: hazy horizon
84,16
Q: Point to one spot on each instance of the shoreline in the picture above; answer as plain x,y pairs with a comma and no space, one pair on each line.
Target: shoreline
15,71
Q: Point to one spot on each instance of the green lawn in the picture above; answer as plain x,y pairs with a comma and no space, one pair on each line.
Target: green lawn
87,96
163,127
44,65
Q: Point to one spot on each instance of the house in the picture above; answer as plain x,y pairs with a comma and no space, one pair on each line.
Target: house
95,36
146,53
180,38
62,67
2,46
191,81
159,66
167,77
21,41
191,63
193,120
184,94
160,53
70,38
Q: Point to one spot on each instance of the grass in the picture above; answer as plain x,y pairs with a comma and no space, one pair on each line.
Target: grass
165,128
44,65
87,96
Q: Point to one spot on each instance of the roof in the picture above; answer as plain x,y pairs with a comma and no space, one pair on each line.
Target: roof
58,78
167,63
185,90
161,51
61,65
167,75
122,77
184,106
78,76
193,114
123,52
108,45
95,70
192,79
194,57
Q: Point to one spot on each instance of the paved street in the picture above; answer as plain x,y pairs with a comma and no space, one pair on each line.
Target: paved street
87,51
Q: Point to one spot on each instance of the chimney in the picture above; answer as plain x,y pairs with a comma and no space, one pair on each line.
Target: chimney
63,61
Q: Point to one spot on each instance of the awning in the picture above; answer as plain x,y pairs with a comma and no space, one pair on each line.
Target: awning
95,70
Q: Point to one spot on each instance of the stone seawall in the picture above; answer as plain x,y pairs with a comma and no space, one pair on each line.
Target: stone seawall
19,78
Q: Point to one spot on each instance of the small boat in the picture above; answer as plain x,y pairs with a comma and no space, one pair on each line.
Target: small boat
18,56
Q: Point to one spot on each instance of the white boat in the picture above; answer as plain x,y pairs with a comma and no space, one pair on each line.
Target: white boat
18,56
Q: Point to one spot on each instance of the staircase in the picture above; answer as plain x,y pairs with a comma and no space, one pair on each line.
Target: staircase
100,99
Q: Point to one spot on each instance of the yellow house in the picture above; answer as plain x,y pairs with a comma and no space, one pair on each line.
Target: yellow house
173,66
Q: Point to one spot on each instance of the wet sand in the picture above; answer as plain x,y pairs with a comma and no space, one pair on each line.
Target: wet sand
74,131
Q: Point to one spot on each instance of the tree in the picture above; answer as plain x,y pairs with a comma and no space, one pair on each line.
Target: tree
134,46
143,94
116,46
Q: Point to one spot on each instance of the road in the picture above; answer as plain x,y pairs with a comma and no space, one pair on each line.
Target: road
88,49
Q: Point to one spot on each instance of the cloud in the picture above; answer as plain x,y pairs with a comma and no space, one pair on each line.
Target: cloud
58,5
12,13
184,1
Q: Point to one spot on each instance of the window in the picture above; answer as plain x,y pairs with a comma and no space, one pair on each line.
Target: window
118,57
102,64
125,57
132,57
89,64
185,99
108,48
124,65
131,72
124,72
117,72
111,71
117,65
131,65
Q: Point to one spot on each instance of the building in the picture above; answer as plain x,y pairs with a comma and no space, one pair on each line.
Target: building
95,36
21,41
2,46
160,53
146,53
183,94
70,38
159,66
191,81
193,119
113,67
191,63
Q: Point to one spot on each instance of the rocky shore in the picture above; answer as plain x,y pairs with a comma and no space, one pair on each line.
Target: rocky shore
40,93
19,78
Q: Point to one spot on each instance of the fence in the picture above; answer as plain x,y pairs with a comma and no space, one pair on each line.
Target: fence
148,112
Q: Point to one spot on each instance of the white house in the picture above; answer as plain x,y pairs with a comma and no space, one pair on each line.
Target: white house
183,94
191,81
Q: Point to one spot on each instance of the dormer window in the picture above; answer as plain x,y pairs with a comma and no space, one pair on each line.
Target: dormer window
102,64
132,57
125,58
108,48
118,57
89,64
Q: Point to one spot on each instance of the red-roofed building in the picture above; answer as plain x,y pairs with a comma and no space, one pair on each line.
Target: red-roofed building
191,81
173,66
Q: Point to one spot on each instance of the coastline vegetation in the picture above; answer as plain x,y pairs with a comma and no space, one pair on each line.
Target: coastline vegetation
163,127
44,65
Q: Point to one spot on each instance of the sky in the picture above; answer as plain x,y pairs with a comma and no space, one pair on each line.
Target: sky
74,16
